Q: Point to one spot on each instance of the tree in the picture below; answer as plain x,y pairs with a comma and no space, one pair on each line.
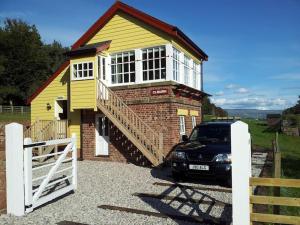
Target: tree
25,61
293,110
209,108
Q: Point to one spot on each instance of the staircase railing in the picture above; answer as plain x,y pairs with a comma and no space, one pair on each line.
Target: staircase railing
147,140
47,130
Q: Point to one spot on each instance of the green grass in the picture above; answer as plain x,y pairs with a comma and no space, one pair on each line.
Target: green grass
11,117
290,153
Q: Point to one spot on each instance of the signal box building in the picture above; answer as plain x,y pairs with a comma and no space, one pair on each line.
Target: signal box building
132,85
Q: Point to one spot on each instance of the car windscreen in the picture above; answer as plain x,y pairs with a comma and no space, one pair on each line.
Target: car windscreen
212,134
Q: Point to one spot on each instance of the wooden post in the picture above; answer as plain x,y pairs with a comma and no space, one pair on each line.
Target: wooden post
277,171
14,169
74,160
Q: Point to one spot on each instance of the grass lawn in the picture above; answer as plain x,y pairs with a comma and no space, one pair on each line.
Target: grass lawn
11,117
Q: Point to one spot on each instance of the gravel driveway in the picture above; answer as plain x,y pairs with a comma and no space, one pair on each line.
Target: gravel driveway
130,186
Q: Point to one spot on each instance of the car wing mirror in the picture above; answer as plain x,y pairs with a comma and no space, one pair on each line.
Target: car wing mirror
185,138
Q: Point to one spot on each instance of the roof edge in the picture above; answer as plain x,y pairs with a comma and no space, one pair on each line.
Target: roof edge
48,81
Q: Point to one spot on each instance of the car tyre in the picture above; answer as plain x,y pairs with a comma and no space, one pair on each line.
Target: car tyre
177,176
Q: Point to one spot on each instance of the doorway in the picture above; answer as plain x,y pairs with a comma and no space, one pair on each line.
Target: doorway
102,135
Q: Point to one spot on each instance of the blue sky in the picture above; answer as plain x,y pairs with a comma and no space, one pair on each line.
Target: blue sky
253,46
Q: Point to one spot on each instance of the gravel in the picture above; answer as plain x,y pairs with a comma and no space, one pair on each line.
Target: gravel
111,183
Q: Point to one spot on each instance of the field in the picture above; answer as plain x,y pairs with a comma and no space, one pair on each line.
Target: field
12,117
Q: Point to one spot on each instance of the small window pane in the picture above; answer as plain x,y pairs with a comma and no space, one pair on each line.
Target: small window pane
79,74
113,69
113,59
113,79
144,65
151,64
163,63
126,68
132,67
144,54
151,75
163,53
156,53
85,66
90,73
85,73
156,63
126,58
150,54
132,56
126,77
119,68
163,74
157,74
132,77
75,66
91,65
120,78
80,66
119,59
145,75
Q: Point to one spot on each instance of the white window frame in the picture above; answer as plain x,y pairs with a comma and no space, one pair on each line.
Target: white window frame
160,68
176,64
195,74
186,69
194,122
82,70
116,74
181,125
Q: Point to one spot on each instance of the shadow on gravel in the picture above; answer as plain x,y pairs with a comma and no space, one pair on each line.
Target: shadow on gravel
164,203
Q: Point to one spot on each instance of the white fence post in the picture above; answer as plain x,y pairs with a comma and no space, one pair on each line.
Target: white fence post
28,175
241,172
14,169
74,160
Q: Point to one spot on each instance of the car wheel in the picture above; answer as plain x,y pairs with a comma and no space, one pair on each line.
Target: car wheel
229,182
177,176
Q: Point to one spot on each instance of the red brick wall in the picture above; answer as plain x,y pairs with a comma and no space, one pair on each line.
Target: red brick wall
160,112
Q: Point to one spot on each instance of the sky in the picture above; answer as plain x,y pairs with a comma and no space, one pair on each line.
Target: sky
253,46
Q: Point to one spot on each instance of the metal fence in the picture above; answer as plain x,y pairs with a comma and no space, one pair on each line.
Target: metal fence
14,109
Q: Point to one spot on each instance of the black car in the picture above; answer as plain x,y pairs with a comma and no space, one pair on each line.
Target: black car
207,152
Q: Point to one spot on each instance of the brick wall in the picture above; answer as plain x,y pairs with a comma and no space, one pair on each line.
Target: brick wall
160,112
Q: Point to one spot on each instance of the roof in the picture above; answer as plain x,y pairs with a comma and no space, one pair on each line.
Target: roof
91,48
173,31
79,48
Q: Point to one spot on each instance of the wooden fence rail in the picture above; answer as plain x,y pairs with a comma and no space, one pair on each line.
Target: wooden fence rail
14,109
270,200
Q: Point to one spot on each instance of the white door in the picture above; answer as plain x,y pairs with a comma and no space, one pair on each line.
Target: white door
102,137
102,76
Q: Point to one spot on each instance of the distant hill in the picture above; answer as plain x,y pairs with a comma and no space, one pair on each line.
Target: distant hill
251,113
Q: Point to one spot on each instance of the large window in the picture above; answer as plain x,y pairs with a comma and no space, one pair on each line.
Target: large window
186,70
181,125
82,71
123,68
195,74
154,63
176,71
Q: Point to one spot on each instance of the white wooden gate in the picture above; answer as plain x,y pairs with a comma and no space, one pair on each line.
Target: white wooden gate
25,192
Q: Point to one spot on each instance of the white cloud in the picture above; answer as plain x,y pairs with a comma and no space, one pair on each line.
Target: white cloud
251,103
242,90
287,76
231,86
219,93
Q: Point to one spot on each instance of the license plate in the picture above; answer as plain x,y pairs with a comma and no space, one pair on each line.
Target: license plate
199,167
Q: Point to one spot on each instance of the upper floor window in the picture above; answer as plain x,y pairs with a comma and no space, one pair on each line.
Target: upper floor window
176,62
186,64
82,70
123,67
195,74
154,63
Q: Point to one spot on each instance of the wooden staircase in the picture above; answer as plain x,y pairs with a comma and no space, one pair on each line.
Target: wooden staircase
148,141
45,130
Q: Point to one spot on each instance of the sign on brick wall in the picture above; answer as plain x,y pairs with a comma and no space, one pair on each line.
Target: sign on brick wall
161,91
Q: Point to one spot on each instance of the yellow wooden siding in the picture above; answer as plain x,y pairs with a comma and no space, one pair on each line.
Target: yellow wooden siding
129,33
57,88
74,124
83,92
